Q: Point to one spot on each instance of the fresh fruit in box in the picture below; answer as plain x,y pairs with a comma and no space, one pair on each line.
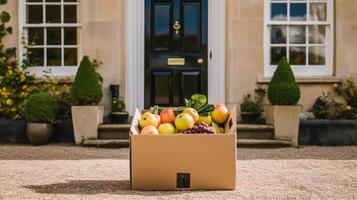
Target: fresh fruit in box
193,113
206,119
184,121
220,114
196,117
199,129
149,130
168,115
149,119
166,128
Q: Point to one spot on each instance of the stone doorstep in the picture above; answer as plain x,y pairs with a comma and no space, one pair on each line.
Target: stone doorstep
255,127
113,126
114,143
255,131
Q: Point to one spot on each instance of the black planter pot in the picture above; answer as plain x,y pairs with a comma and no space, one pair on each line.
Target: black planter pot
119,117
249,117
13,131
63,131
328,132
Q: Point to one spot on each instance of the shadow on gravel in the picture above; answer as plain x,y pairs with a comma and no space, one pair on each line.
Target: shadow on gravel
93,187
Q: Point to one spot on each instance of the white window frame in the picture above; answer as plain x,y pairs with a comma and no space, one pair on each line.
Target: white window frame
58,71
301,70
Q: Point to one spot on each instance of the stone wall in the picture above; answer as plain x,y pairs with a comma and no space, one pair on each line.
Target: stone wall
245,56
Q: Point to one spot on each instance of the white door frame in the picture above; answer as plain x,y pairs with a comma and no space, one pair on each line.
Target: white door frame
135,52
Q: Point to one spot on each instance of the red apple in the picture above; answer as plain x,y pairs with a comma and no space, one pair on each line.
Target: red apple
149,130
167,115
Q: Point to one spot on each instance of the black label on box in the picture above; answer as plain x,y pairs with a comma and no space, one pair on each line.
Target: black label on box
183,180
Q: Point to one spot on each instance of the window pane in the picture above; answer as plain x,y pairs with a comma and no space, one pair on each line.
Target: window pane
279,11
318,11
34,0
70,36
276,53
317,34
297,34
298,12
70,57
53,36
70,14
34,14
317,56
297,55
53,14
35,36
278,34
36,56
53,0
70,0
53,57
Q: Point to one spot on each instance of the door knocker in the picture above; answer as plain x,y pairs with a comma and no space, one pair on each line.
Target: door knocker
177,27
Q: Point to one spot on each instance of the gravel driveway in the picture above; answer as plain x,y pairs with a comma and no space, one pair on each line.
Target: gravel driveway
70,172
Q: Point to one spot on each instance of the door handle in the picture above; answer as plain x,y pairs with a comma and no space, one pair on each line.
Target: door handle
200,61
177,27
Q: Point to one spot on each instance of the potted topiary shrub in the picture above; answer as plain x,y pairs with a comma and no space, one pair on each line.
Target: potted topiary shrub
86,94
41,110
251,108
283,95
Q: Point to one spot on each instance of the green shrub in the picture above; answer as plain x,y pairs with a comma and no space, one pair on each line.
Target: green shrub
256,105
283,89
41,108
87,88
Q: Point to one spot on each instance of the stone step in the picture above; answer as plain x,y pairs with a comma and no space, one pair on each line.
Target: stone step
262,143
106,143
113,131
255,131
240,143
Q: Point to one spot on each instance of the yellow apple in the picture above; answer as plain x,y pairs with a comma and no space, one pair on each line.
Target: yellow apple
166,128
192,112
220,114
206,119
184,121
148,119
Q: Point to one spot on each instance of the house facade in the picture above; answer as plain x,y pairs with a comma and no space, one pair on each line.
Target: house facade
160,51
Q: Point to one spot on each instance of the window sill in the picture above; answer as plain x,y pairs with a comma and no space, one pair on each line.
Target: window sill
57,79
306,80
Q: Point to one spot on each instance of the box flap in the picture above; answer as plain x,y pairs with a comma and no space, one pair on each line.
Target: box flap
134,128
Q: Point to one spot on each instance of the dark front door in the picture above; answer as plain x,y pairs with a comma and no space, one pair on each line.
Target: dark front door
175,50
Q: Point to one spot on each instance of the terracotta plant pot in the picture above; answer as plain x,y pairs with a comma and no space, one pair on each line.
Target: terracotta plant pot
39,133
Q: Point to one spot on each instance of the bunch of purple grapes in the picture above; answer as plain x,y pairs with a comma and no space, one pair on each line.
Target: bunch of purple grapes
201,128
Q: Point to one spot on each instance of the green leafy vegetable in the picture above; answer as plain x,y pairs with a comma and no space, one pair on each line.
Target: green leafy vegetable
199,103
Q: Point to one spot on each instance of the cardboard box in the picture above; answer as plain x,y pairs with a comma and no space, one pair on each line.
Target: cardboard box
182,161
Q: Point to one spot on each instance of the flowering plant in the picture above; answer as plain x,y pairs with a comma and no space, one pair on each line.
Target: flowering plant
15,82
348,91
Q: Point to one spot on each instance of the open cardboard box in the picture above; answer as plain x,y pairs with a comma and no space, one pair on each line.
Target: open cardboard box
183,161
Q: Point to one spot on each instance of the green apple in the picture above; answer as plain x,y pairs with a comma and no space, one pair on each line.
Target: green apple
166,128
206,119
184,121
